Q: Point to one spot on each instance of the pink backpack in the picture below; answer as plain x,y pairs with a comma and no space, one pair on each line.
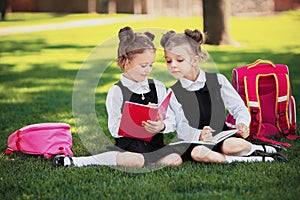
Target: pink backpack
266,91
48,139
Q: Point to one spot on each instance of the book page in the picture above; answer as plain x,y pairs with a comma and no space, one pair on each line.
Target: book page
194,142
223,135
216,139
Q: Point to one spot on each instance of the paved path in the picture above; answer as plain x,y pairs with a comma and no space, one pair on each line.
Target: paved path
72,24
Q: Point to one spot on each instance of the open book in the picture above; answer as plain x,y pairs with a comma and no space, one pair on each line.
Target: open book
134,114
215,140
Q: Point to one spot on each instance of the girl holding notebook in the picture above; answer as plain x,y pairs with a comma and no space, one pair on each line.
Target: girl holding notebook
200,100
136,54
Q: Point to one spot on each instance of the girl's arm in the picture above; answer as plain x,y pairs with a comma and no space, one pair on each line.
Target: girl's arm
233,102
114,102
235,105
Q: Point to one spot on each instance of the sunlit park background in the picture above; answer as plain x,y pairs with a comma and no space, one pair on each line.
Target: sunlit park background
41,54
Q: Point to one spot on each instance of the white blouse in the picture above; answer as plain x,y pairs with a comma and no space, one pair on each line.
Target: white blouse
114,101
232,101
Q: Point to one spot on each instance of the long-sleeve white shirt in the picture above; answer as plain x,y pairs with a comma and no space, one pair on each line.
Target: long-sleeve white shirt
114,101
232,101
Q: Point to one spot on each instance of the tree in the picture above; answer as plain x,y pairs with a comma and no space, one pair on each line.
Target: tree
3,7
216,16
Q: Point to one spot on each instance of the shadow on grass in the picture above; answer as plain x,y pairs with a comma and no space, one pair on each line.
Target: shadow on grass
36,45
24,46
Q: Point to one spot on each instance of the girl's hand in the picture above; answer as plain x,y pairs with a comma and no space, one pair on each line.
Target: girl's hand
243,130
206,134
154,126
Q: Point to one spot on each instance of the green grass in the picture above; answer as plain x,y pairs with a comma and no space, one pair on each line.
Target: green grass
37,75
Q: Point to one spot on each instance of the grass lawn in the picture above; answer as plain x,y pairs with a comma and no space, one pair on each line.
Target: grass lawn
38,74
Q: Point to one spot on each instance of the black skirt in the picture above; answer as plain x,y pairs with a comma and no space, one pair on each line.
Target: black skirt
152,151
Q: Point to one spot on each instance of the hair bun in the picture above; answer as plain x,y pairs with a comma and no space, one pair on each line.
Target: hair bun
150,35
166,37
196,35
126,35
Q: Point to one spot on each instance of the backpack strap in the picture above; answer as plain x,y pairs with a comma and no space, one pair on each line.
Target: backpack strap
282,98
260,61
292,114
283,102
252,101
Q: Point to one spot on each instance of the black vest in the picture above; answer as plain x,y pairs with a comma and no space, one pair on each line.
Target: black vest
204,107
137,98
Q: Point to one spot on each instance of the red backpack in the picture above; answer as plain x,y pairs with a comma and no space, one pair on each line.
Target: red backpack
266,91
48,139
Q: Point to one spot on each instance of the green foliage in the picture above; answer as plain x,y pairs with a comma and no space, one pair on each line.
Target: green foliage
37,74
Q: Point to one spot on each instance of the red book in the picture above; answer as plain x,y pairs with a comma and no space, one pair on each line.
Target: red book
134,114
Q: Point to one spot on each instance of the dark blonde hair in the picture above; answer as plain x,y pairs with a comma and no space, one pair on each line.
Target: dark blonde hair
194,39
133,43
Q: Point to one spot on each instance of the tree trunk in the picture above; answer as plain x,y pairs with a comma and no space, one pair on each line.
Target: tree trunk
112,6
92,6
216,19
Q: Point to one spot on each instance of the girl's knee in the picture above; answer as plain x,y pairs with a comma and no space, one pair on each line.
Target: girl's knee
200,154
232,146
173,159
129,159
